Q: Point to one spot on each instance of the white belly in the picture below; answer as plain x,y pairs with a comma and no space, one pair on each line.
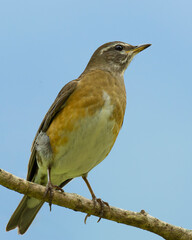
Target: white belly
88,144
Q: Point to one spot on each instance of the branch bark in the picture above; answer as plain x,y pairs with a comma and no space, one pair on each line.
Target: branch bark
78,203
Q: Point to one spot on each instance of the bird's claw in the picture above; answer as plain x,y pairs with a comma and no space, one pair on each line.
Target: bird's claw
102,204
49,191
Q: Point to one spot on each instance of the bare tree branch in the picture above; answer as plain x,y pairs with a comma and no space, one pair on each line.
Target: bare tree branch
78,203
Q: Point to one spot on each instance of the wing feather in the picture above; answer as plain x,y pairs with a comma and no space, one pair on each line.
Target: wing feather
55,108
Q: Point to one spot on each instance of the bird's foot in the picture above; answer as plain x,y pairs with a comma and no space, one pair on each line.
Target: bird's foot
101,212
49,191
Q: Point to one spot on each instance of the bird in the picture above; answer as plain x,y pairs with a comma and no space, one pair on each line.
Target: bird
79,129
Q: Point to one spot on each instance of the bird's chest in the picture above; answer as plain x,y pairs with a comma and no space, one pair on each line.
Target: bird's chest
86,142
83,133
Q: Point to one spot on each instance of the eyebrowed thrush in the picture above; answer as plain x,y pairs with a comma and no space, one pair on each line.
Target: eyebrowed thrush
80,128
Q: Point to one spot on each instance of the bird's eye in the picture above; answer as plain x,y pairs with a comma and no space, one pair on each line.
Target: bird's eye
119,47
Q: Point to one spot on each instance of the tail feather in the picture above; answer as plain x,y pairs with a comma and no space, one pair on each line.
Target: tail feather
26,212
23,216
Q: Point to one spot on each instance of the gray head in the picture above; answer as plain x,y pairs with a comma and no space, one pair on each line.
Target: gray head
114,57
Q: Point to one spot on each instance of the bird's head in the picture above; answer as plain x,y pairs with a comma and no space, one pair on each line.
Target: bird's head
114,57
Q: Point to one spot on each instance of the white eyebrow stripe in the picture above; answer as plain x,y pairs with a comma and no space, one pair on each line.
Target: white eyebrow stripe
106,48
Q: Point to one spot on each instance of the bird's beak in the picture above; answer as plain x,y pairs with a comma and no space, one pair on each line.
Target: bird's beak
138,49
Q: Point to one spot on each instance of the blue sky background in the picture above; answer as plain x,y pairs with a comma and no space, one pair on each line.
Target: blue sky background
45,44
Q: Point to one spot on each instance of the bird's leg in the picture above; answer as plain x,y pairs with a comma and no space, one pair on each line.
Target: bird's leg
44,157
50,187
95,200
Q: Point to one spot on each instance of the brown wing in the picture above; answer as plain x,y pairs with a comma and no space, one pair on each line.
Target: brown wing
55,108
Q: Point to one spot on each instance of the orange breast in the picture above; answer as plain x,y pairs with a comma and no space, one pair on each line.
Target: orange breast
84,102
